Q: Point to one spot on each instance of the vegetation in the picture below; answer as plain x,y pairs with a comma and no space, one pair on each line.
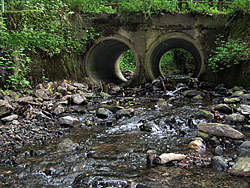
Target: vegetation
177,61
228,53
127,61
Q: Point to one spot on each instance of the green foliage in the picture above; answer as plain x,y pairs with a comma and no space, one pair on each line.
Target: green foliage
128,61
228,53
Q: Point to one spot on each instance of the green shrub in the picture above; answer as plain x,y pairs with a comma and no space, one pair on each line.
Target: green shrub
228,53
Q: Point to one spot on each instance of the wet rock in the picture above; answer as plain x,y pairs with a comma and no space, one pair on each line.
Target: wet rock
198,145
192,93
59,110
223,108
235,118
124,112
103,113
242,165
244,109
42,93
238,93
78,99
162,103
152,158
204,114
232,100
218,129
219,163
113,109
245,145
67,145
167,157
69,121
219,150
9,118
5,108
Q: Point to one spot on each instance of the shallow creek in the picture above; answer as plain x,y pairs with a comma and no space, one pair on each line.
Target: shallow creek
113,154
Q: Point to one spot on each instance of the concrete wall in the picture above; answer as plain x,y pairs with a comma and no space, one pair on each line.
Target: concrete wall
149,39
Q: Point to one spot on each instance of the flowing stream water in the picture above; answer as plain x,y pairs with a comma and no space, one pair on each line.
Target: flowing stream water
112,153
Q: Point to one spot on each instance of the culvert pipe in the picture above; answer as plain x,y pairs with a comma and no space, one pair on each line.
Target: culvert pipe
102,61
161,47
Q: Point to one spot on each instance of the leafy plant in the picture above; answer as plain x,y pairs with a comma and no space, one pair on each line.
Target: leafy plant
128,61
228,53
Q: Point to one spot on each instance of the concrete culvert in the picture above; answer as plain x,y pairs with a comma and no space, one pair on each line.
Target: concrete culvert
102,62
171,44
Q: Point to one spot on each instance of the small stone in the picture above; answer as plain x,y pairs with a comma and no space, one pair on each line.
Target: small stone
167,157
198,97
193,93
204,114
245,145
59,109
244,109
124,112
198,145
69,121
235,118
242,165
9,118
223,108
103,113
78,99
42,93
67,145
232,100
219,163
219,150
237,94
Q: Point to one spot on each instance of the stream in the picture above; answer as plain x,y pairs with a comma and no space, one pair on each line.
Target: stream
112,153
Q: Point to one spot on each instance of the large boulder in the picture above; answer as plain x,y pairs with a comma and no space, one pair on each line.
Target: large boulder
218,129
103,113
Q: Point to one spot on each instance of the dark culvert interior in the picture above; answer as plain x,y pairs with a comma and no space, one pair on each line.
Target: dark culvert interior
103,61
184,48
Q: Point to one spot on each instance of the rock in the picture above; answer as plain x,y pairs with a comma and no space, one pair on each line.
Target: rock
103,113
78,99
124,112
219,163
25,100
232,100
198,97
59,109
244,109
219,150
203,114
192,93
9,118
113,109
223,108
198,145
152,159
103,94
62,90
80,86
67,145
218,129
237,94
69,121
245,145
5,108
235,118
167,157
42,93
242,166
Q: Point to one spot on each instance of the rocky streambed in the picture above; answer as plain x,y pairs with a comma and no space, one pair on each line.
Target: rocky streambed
161,134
